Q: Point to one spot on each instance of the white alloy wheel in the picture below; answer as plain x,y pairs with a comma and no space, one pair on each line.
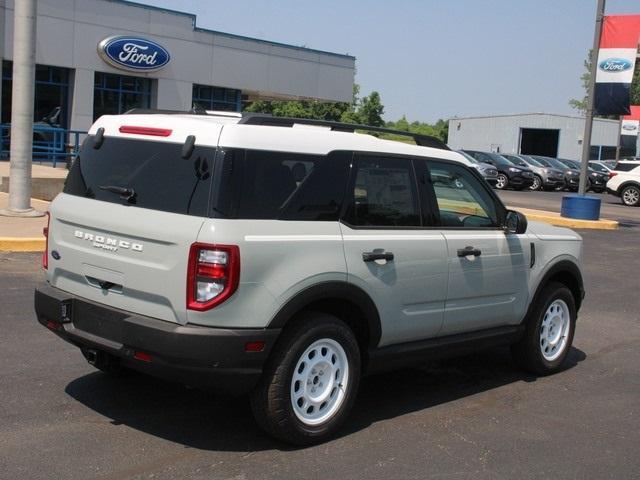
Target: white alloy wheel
319,382
502,181
631,196
554,330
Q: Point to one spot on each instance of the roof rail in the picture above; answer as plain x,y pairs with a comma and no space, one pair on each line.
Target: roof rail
270,120
196,110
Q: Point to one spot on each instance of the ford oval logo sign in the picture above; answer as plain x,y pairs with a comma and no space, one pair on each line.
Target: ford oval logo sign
615,65
133,53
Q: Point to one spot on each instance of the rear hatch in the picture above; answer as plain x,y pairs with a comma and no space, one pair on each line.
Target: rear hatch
122,228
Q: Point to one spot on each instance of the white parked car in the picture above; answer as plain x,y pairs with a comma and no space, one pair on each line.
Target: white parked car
625,182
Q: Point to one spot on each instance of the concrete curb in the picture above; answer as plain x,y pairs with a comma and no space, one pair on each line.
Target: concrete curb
555,219
25,244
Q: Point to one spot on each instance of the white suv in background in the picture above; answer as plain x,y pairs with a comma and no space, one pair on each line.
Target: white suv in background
624,182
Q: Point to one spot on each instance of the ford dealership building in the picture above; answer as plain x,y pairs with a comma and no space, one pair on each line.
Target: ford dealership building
98,57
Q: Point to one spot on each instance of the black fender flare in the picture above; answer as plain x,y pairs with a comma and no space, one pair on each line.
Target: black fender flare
562,267
332,290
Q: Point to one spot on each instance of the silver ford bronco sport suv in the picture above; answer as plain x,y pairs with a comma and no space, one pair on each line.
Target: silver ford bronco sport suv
286,258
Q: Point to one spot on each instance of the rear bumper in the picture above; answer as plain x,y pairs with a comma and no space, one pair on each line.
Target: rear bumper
212,358
611,191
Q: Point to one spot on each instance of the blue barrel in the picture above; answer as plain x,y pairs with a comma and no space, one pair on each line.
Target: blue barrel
581,207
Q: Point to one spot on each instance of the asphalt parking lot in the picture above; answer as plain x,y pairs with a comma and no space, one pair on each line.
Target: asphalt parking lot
472,417
611,207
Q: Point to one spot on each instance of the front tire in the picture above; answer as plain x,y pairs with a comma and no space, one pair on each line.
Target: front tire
502,182
537,183
549,332
630,195
310,381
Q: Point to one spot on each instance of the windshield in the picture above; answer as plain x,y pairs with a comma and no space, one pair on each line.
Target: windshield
499,159
468,157
532,161
570,163
143,174
516,160
551,162
598,167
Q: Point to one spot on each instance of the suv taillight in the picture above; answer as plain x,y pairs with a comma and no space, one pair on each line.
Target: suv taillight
45,254
612,174
213,275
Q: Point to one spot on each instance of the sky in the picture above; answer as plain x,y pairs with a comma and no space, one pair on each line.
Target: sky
433,59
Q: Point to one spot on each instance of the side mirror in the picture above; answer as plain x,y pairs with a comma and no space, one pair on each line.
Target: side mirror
515,222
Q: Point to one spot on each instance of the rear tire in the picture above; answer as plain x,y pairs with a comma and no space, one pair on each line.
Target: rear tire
630,195
310,381
549,331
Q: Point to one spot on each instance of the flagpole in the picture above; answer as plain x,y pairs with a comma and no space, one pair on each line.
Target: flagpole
588,121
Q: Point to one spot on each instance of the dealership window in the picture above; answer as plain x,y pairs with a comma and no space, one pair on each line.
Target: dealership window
217,98
115,94
51,95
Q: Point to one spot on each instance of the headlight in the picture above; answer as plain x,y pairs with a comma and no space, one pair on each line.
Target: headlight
515,170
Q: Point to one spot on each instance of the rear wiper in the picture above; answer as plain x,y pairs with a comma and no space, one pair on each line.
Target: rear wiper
126,193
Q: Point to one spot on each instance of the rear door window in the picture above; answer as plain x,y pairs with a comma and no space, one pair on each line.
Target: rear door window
384,193
256,184
143,174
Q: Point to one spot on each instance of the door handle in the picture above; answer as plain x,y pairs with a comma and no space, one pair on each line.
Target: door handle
469,251
372,256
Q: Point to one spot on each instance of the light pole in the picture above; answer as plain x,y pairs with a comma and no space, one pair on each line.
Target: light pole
588,121
22,92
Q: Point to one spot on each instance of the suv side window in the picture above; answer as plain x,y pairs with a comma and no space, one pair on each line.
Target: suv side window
383,193
255,184
626,167
462,201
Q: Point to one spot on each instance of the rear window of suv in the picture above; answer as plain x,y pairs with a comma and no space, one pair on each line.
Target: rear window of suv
626,167
143,174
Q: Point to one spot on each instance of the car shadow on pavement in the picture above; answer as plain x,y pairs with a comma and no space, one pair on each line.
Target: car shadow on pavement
198,419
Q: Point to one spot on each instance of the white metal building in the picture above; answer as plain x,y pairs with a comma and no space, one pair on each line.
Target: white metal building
158,59
534,133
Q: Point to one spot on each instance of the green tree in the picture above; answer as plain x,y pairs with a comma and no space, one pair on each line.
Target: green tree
635,85
370,110
585,78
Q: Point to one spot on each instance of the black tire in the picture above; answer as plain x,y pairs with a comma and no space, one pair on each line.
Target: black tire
502,182
527,352
271,400
539,185
630,195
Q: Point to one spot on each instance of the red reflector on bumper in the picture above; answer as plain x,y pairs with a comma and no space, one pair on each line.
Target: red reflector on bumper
142,356
254,346
53,325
